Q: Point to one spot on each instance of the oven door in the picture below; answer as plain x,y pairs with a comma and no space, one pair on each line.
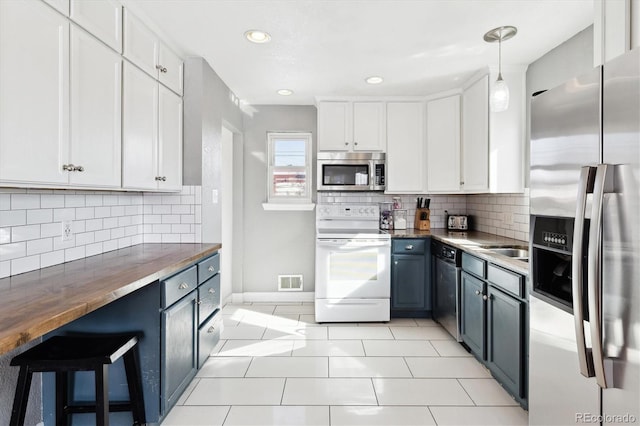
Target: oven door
353,268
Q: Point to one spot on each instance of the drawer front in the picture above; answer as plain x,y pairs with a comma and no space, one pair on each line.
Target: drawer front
408,246
473,265
176,287
208,268
208,298
506,280
208,337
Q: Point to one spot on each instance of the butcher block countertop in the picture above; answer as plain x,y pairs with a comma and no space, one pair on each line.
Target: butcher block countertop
35,303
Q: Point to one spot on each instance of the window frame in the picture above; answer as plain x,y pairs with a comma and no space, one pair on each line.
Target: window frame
272,198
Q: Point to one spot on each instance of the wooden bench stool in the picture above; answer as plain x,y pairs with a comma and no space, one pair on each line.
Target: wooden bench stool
67,354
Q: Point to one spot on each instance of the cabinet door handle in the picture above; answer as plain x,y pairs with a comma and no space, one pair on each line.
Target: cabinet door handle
212,291
199,302
395,262
68,167
158,178
409,247
211,329
477,292
485,297
78,169
161,68
183,286
346,143
210,269
163,178
355,143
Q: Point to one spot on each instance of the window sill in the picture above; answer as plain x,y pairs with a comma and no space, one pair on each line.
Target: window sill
288,207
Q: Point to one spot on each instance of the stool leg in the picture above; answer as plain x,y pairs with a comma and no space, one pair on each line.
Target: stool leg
136,398
62,397
102,395
22,397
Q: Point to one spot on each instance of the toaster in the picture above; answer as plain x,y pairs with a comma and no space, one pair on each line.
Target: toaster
458,223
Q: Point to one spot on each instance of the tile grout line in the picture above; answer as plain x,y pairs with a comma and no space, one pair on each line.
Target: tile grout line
227,415
283,388
465,391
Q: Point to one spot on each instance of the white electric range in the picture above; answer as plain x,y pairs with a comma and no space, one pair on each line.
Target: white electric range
353,264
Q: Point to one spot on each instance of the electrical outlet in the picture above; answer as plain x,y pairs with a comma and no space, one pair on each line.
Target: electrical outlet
508,218
67,230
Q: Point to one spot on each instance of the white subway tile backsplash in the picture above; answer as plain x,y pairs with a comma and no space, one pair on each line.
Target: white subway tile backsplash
51,258
39,216
25,264
24,233
31,223
42,245
25,201
13,218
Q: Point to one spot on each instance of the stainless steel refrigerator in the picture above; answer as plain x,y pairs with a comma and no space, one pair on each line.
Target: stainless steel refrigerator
584,359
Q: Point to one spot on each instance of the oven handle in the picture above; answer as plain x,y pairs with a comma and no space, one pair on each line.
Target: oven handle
351,243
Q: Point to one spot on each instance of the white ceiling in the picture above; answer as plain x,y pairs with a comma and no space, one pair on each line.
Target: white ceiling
328,47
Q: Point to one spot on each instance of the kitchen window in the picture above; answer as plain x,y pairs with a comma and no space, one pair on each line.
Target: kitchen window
289,171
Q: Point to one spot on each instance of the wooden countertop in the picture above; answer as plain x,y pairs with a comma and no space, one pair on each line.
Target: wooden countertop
35,303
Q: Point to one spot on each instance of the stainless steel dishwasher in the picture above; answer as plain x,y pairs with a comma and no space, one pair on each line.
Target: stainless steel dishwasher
445,269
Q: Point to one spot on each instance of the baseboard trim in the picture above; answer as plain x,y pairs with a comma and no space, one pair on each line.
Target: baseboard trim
276,296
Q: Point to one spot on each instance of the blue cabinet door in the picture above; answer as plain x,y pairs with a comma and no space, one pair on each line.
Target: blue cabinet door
408,279
179,349
505,339
472,305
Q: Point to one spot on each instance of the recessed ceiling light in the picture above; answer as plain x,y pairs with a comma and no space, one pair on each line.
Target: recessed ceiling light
374,79
257,36
285,92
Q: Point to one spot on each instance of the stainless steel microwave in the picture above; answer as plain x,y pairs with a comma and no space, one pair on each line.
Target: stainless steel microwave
351,171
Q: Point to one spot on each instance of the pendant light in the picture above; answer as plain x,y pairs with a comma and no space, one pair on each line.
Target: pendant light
499,96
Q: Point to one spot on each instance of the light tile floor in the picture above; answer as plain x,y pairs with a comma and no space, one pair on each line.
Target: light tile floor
275,366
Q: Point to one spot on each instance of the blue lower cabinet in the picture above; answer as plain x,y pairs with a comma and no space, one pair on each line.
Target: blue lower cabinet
179,349
208,337
410,277
473,319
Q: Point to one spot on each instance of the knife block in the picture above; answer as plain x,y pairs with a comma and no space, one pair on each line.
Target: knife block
421,221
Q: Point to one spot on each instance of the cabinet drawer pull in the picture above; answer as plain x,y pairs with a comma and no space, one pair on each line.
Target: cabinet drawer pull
409,247
161,69
212,291
211,329
210,268
183,286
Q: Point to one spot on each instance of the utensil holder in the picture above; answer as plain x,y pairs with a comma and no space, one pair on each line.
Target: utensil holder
422,221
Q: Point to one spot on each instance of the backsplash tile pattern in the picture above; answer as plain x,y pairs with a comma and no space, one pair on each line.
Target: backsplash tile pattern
501,214
31,223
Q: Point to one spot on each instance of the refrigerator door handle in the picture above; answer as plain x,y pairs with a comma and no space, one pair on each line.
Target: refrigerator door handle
594,275
585,185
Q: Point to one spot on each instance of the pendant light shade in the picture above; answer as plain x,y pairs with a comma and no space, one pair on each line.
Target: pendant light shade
499,95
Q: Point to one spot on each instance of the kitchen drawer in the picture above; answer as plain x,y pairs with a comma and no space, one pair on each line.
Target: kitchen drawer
208,337
208,298
473,265
408,246
506,280
208,268
176,287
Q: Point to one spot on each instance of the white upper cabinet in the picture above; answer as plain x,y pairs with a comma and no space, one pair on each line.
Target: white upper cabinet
475,137
169,140
152,134
95,112
443,145
406,156
144,48
61,5
616,29
170,69
351,126
102,18
34,92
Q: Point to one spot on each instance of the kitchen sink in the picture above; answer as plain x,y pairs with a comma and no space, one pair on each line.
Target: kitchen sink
511,252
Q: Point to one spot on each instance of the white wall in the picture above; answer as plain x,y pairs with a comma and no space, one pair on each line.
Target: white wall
276,242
